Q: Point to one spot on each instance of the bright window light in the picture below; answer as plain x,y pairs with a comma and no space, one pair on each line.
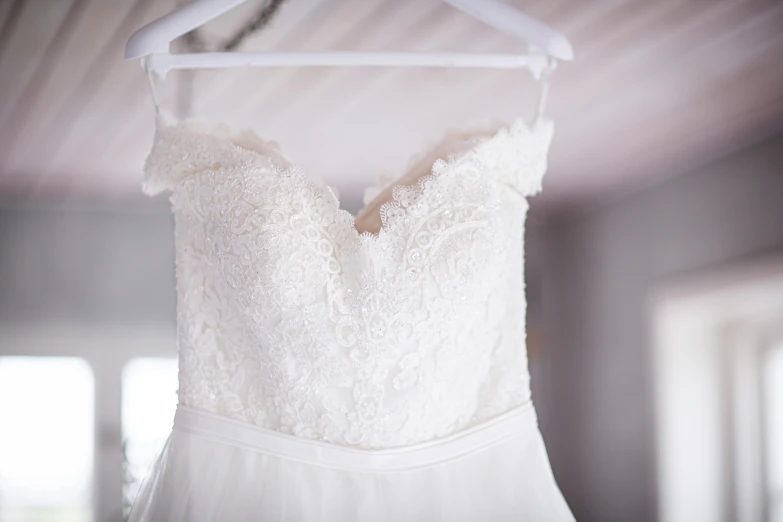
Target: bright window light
774,427
149,400
46,439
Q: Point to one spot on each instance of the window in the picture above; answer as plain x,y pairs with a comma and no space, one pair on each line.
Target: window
773,413
46,440
149,400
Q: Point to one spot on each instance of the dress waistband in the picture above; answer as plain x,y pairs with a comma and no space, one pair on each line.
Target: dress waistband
514,423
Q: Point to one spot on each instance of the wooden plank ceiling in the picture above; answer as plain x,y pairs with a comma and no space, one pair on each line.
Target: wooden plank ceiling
657,88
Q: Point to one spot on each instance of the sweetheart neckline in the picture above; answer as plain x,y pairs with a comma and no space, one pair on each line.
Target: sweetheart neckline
228,135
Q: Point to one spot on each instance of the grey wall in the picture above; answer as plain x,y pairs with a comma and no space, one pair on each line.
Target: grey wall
86,263
598,268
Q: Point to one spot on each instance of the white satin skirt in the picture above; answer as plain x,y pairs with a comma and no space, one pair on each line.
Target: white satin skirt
217,469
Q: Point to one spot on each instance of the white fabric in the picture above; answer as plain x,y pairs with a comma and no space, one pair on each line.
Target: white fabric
207,481
236,433
292,321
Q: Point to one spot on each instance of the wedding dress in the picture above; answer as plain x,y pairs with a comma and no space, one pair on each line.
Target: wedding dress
333,374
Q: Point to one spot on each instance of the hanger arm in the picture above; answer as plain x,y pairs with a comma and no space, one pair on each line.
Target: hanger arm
156,36
510,20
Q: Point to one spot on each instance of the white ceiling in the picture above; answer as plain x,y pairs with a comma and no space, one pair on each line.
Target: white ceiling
657,88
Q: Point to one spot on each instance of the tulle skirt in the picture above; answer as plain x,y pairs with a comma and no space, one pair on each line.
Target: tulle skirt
217,469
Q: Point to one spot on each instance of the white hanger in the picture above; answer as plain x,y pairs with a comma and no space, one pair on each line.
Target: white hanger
153,40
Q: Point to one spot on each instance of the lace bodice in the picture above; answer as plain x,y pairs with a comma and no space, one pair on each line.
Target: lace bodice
291,319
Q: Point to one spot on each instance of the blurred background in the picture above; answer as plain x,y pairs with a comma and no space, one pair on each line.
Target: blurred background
655,252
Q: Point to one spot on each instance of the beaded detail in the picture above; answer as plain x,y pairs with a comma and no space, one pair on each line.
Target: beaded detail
292,319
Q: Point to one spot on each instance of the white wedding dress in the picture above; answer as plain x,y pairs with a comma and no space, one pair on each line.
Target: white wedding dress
327,374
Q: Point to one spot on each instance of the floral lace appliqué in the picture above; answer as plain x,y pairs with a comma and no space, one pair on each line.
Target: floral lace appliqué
290,318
